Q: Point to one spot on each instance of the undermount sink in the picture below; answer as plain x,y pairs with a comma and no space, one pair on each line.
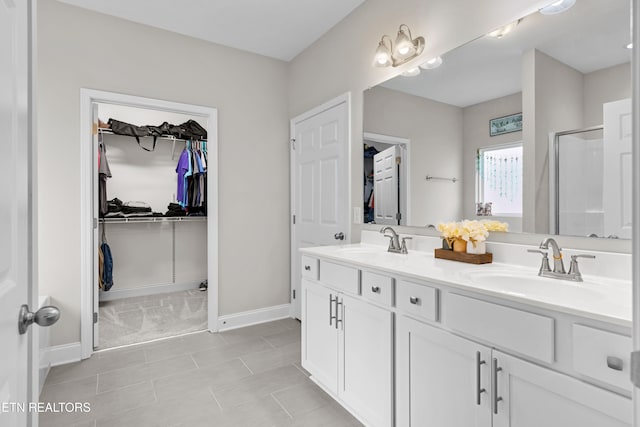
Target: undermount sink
359,250
523,285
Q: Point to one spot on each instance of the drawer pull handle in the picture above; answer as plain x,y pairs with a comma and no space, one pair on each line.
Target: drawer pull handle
414,300
307,267
479,388
614,363
375,289
494,386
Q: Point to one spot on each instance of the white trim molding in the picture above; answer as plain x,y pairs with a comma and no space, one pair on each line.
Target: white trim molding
88,97
253,317
63,354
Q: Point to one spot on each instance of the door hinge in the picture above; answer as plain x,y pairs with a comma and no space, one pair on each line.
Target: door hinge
95,223
294,294
398,160
635,368
293,143
95,317
398,216
293,218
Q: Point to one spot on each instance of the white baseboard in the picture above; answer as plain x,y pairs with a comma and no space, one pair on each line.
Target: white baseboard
253,317
62,354
147,290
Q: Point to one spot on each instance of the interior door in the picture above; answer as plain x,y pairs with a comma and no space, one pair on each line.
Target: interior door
15,208
618,180
319,184
386,194
96,240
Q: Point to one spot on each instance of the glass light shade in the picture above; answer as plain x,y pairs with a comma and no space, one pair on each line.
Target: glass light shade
411,72
404,46
558,6
432,63
503,31
382,57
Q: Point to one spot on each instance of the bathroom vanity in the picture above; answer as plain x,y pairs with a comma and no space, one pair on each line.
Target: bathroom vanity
410,340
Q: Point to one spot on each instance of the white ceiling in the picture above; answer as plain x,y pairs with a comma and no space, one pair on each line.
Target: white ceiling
279,29
588,37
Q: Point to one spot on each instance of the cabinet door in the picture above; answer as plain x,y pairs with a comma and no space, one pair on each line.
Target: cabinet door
366,363
439,378
319,334
533,396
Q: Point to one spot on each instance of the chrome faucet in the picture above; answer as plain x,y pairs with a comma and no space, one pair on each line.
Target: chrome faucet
394,241
558,266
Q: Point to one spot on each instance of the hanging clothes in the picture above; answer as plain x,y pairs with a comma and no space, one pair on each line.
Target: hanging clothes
192,178
107,262
104,172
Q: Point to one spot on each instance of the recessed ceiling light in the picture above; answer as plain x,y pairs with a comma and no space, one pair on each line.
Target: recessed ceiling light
411,72
558,6
503,31
432,63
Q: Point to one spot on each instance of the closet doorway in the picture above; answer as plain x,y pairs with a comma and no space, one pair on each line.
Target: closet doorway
162,236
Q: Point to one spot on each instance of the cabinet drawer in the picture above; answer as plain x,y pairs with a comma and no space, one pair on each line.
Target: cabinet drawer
602,355
377,288
417,300
510,328
310,268
340,277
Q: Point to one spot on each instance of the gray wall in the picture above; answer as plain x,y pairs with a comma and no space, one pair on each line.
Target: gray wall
436,148
610,84
78,48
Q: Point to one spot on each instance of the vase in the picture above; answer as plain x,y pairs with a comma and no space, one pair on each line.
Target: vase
445,245
479,248
459,245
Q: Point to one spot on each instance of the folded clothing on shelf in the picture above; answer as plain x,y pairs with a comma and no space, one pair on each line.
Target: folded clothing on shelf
135,207
174,209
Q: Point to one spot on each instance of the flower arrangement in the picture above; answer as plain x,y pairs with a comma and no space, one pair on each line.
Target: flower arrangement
469,231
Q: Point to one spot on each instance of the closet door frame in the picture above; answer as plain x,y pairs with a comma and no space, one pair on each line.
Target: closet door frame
88,215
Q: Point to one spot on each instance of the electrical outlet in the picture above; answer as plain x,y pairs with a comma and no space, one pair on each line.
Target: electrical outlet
357,215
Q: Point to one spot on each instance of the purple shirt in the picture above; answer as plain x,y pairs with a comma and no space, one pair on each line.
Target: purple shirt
181,170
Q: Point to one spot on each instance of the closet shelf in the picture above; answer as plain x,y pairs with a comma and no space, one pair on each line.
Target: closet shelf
153,219
106,131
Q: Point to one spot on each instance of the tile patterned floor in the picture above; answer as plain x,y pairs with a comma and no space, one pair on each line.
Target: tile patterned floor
145,318
249,377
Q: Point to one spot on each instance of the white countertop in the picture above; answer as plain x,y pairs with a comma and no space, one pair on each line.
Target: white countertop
598,298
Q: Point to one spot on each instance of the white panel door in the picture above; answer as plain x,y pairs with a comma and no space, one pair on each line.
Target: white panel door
319,334
96,239
15,209
319,184
441,379
386,168
366,362
532,396
617,196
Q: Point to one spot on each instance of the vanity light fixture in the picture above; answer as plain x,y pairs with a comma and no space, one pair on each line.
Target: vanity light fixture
432,63
403,50
503,31
558,6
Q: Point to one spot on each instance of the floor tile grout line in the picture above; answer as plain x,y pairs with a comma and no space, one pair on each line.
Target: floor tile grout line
246,366
123,387
267,341
281,405
215,398
194,360
300,369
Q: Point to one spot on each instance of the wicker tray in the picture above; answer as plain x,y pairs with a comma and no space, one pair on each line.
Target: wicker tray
464,257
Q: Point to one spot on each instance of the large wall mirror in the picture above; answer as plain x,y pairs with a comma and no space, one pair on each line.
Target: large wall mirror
530,124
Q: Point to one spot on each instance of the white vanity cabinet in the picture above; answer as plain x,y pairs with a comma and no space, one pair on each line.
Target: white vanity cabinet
347,346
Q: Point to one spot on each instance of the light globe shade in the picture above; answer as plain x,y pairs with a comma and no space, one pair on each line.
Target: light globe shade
503,31
411,72
382,57
432,63
404,47
558,6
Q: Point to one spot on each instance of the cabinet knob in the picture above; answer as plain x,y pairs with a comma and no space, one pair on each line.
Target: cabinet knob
307,267
614,363
375,289
414,300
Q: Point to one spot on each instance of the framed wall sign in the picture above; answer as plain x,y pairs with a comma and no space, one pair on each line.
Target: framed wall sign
506,124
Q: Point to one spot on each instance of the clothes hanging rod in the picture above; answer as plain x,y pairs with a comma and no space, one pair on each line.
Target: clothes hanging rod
106,131
439,178
153,219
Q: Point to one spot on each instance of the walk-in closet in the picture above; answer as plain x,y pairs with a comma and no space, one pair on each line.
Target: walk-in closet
150,201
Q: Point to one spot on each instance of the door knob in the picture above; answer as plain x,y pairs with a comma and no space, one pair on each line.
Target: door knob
339,236
46,316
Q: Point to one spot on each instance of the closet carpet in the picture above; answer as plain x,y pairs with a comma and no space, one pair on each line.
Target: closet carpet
249,377
140,319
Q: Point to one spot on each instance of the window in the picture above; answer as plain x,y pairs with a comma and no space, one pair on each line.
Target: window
499,180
